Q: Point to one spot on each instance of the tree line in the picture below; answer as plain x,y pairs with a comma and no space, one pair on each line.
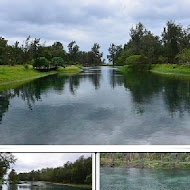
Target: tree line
40,55
173,46
146,159
78,172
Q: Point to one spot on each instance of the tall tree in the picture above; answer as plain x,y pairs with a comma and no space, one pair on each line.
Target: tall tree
172,38
114,52
73,51
13,177
6,159
96,54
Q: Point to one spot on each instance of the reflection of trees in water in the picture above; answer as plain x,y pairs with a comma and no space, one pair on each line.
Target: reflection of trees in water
94,76
32,92
143,86
177,96
12,187
116,78
4,102
74,82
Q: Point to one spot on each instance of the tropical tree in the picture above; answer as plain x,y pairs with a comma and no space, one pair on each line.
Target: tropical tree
6,159
114,52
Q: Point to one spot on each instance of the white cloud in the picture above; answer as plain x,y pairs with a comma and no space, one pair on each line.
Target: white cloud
102,21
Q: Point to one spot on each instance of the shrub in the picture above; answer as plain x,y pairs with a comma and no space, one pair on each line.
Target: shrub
184,57
41,62
162,60
26,66
136,59
57,61
89,179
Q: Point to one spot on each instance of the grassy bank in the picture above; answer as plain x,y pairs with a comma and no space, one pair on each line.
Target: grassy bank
73,185
171,69
147,164
69,70
167,69
13,76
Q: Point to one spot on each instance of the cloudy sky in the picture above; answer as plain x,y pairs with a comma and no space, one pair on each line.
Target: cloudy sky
87,21
34,161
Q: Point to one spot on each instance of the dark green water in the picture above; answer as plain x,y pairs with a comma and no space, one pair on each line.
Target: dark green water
39,186
143,179
98,106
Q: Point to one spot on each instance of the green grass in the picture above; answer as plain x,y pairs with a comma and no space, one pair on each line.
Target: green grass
69,70
18,73
168,70
147,164
13,76
171,69
86,186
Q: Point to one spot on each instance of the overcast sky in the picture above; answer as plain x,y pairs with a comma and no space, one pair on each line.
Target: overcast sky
34,161
87,21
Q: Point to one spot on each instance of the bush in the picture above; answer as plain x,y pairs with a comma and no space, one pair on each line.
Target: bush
89,179
41,62
136,59
184,57
162,60
57,61
26,66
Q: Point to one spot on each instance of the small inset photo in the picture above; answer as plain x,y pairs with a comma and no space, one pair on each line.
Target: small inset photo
37,171
145,171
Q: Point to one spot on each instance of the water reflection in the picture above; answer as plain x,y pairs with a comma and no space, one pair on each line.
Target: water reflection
37,186
137,108
144,179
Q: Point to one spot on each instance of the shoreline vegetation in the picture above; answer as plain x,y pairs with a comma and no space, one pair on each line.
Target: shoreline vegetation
165,69
146,160
13,76
87,186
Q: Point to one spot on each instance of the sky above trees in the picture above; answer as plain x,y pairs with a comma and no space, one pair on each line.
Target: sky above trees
34,161
86,22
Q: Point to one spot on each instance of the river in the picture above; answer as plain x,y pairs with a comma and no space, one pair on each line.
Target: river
97,106
39,186
144,179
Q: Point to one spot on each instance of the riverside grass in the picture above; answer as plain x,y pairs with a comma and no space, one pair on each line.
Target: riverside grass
13,76
86,186
180,71
147,164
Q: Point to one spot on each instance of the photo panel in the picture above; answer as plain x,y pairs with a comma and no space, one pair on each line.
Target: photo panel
55,171
144,171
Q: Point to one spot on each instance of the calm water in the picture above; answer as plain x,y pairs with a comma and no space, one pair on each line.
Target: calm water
97,106
143,179
39,186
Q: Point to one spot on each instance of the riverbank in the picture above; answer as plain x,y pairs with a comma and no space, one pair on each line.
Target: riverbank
167,69
146,164
13,76
85,186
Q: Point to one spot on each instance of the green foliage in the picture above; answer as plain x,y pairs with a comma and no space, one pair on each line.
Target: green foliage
162,60
115,52
57,61
41,62
146,160
13,177
78,172
184,57
6,159
136,59
89,179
